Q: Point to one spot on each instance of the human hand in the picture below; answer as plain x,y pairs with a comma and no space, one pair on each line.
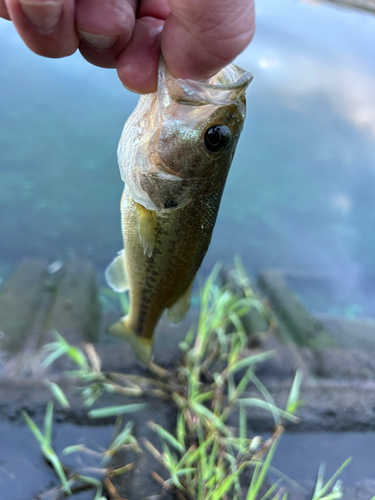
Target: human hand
197,37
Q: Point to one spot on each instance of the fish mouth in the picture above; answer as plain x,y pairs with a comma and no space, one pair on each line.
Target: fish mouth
223,88
231,77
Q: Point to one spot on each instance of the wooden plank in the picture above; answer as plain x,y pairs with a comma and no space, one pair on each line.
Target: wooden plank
20,301
295,323
351,333
75,310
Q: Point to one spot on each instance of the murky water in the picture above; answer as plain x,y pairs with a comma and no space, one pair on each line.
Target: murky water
304,451
300,192
299,456
20,456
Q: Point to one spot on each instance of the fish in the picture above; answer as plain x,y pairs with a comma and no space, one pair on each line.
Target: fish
174,156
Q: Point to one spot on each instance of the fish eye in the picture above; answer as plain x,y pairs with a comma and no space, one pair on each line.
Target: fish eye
216,138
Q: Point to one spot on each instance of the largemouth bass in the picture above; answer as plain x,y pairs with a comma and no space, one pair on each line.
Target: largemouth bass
174,156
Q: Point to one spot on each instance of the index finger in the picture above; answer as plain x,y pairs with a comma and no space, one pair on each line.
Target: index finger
3,11
45,26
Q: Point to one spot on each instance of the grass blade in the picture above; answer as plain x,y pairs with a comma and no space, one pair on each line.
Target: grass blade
269,407
166,436
113,411
48,420
58,394
202,411
251,360
318,494
319,480
54,355
34,428
293,401
259,478
265,393
51,456
76,448
77,356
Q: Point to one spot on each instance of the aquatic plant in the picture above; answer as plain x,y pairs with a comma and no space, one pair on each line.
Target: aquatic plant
98,382
321,489
44,439
210,452
73,482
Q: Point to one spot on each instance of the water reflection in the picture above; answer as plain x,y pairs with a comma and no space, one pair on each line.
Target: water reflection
300,192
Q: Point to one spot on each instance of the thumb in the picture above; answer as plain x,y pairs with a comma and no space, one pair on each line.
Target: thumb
200,37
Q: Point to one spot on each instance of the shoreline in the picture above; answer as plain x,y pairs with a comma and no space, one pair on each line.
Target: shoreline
364,5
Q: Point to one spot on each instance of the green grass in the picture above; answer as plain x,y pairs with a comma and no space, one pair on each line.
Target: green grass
44,439
72,482
206,457
210,454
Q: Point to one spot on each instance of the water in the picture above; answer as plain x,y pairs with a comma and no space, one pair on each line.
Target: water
20,452
299,456
300,192
304,451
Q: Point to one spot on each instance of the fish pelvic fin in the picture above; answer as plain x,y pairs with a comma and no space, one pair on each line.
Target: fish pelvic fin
177,312
146,229
141,346
115,274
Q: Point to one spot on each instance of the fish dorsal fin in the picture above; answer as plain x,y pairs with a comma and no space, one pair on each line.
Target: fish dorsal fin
146,229
177,312
116,273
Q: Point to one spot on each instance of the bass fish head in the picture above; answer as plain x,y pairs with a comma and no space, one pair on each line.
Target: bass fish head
190,129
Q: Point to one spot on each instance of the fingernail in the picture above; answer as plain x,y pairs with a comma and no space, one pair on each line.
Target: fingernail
43,15
98,42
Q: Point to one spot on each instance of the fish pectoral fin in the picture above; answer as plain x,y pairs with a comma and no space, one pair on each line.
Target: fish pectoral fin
141,346
177,312
146,229
116,273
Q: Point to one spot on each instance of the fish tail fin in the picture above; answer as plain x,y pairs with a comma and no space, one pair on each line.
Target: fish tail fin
141,346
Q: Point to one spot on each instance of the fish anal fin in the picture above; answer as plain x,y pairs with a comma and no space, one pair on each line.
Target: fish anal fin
141,346
116,273
177,312
146,229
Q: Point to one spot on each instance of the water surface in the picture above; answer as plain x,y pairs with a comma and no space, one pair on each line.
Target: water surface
300,192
